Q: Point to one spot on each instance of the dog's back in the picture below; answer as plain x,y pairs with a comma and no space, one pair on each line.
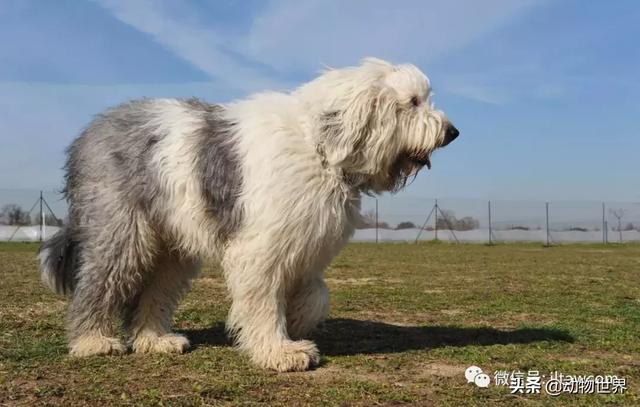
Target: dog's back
151,186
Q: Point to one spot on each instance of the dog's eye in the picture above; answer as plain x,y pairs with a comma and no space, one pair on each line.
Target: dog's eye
415,101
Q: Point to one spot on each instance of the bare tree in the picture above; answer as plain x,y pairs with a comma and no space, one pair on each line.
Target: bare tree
369,219
446,219
449,220
468,223
12,214
406,225
49,220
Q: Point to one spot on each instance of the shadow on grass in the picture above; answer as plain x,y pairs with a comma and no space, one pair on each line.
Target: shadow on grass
342,336
212,336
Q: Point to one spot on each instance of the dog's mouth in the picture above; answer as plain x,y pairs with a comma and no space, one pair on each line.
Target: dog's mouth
406,166
420,158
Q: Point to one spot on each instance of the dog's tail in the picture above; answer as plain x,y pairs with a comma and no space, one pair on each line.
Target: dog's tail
58,262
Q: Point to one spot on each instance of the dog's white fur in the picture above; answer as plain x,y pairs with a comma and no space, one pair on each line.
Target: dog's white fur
305,158
296,227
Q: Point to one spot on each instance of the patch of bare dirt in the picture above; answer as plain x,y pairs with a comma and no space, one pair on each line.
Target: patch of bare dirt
34,311
588,356
211,282
509,318
331,373
452,312
608,321
361,281
442,370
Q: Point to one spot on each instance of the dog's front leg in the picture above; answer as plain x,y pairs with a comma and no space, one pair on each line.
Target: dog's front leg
307,307
257,319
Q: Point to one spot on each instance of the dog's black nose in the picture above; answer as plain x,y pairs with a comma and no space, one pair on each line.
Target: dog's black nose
450,134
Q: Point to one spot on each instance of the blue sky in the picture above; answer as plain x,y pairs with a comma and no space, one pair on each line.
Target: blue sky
545,93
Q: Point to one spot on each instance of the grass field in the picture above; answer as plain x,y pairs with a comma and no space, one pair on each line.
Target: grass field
406,321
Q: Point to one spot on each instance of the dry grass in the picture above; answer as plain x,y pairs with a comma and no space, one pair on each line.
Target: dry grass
406,321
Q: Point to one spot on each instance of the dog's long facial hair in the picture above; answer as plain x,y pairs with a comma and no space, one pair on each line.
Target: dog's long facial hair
377,123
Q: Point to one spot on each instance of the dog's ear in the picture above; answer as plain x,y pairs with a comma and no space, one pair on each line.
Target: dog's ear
344,131
361,108
347,134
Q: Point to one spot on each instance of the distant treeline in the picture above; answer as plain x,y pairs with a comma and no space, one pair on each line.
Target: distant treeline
445,220
12,214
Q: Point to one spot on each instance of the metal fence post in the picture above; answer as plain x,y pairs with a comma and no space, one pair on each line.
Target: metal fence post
490,241
376,220
547,216
604,227
436,228
41,219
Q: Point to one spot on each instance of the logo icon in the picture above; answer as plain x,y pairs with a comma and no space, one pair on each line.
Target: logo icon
474,374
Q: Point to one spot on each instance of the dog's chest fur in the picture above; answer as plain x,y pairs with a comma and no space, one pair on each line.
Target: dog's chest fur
288,195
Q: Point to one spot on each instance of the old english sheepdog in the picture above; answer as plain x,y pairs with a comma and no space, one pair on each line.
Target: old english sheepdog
270,186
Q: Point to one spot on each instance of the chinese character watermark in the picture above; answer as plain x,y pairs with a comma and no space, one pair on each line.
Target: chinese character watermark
553,384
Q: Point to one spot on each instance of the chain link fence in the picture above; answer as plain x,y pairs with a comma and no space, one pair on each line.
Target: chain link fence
406,219
31,215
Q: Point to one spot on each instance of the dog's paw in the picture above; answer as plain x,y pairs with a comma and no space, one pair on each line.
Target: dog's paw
167,343
292,356
95,344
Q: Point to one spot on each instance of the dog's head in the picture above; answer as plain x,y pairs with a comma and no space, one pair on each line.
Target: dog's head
376,122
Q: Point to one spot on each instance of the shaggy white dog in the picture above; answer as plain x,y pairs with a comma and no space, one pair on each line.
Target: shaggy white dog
269,185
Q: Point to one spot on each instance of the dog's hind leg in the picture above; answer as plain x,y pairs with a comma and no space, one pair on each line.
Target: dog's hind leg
90,318
307,307
150,316
114,258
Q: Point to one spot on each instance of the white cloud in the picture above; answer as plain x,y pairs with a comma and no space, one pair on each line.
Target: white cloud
304,35
300,37
201,46
480,93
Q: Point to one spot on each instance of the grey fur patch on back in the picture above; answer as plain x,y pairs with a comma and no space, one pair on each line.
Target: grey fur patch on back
219,167
117,146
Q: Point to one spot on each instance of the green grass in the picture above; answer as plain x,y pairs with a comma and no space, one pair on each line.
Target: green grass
406,321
